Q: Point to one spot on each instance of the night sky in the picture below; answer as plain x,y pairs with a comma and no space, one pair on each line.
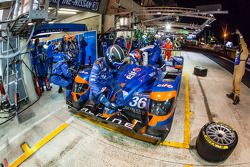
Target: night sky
238,17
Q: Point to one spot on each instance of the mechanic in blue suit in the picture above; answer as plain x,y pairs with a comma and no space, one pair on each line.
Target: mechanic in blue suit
121,42
63,72
35,53
82,56
154,55
49,58
102,77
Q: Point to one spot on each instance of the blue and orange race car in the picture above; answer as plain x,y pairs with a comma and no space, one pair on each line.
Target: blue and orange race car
149,100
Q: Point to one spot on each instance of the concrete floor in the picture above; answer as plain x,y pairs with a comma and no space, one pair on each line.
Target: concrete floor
85,144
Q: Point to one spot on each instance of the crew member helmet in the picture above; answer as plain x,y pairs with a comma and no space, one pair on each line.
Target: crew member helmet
114,56
135,57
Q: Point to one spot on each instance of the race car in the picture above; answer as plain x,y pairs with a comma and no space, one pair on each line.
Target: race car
149,100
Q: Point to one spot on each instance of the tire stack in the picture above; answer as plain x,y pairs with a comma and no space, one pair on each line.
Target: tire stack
216,142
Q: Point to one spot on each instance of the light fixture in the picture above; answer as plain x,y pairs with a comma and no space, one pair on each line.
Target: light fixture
225,35
168,26
66,12
70,10
51,22
30,24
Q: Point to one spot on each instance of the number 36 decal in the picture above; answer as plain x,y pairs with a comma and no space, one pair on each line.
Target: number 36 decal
138,102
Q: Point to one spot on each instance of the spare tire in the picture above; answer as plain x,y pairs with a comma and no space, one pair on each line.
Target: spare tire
216,141
200,71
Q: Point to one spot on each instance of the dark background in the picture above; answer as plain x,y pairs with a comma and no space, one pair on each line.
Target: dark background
238,17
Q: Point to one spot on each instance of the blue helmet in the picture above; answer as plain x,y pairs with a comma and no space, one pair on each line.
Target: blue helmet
135,57
114,56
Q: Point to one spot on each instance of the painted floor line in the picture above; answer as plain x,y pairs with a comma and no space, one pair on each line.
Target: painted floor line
9,141
30,151
186,141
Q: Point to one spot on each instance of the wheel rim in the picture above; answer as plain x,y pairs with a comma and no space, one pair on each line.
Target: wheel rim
200,67
220,134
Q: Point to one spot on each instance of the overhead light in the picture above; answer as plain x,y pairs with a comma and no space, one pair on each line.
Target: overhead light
48,33
168,26
70,10
51,22
66,12
224,34
30,24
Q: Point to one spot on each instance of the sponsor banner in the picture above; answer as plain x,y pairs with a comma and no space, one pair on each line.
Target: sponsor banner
91,50
92,5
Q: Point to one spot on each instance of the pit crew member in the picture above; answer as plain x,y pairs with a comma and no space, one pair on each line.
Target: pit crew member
102,77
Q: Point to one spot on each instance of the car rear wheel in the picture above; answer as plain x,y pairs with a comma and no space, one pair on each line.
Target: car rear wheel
200,71
216,142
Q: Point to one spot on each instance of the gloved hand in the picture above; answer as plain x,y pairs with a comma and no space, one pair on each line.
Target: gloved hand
72,69
102,99
238,32
112,106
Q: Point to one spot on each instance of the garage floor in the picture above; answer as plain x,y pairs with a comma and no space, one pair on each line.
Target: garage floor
86,144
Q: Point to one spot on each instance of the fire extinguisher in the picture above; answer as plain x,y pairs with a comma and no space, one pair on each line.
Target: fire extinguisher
47,84
2,91
4,103
36,82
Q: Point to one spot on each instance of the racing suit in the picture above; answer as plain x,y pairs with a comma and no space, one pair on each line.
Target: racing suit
168,49
49,59
154,56
121,42
82,56
62,75
101,77
35,53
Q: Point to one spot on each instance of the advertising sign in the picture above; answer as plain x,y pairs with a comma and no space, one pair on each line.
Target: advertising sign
92,5
91,50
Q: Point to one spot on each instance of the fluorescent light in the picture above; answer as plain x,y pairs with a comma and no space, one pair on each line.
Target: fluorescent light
66,12
70,10
48,33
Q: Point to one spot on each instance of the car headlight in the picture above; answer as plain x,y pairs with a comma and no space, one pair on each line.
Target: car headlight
161,108
80,87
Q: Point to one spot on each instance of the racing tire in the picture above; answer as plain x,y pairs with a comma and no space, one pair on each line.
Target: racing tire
200,71
216,142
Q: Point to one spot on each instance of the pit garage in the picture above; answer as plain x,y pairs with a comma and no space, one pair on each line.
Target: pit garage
122,83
